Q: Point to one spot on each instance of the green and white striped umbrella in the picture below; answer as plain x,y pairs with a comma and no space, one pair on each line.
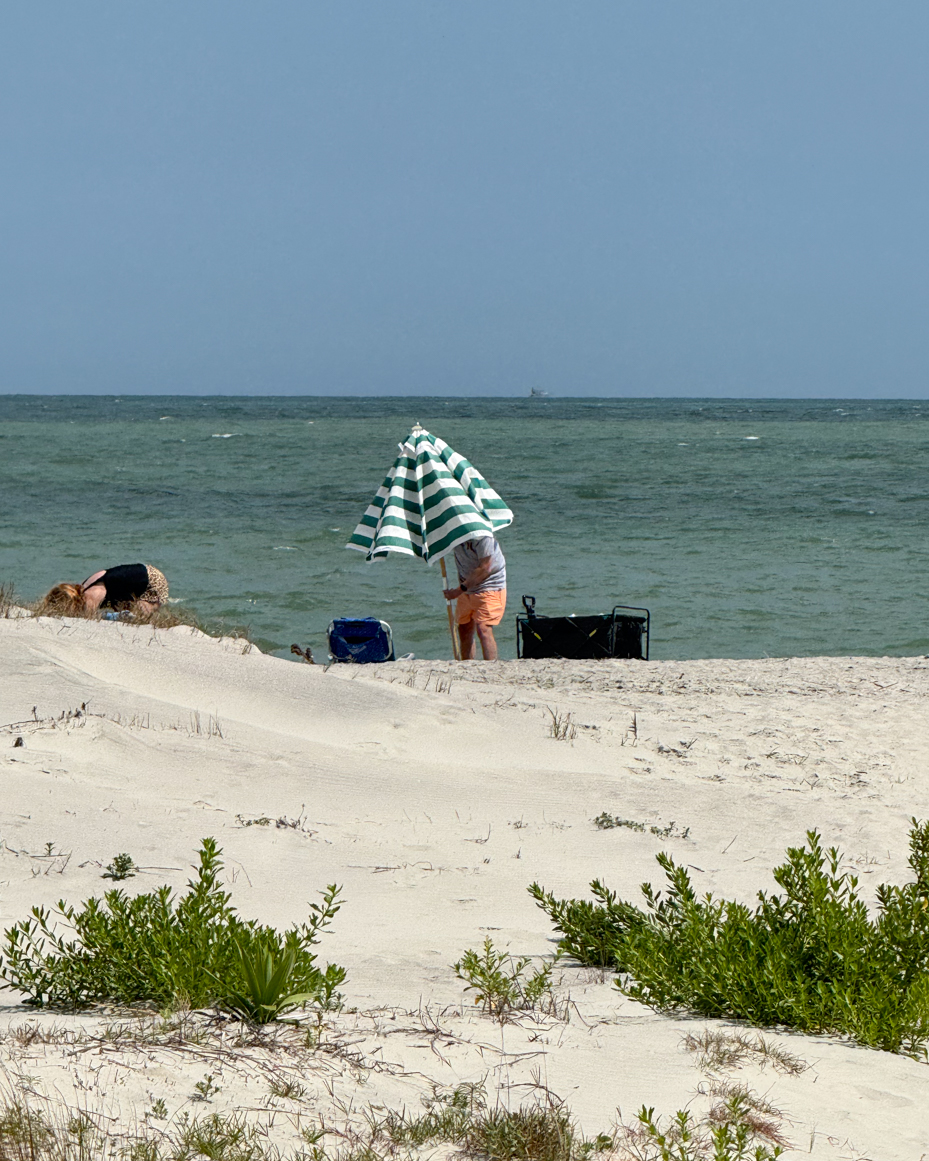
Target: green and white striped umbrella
431,500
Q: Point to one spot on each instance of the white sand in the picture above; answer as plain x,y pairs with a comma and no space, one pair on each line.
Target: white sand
434,808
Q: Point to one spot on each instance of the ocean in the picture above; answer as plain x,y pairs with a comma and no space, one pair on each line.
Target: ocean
749,528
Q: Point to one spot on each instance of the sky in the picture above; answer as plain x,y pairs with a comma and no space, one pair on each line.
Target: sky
361,198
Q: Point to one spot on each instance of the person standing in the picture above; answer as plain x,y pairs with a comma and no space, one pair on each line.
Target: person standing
480,598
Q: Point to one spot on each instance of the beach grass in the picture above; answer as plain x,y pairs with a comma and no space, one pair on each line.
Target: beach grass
30,1132
170,616
739,1127
8,601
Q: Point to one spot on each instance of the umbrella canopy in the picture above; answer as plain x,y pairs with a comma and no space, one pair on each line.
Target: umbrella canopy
431,500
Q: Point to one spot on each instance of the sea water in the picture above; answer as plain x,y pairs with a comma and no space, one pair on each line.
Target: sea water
749,528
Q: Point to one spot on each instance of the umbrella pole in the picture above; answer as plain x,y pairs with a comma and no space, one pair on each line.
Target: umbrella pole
456,645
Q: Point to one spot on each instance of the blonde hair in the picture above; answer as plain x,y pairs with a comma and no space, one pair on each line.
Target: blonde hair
64,600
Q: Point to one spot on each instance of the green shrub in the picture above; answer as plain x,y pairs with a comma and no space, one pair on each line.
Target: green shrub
591,932
811,958
156,948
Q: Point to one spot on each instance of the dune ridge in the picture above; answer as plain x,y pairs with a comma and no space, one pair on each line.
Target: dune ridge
435,793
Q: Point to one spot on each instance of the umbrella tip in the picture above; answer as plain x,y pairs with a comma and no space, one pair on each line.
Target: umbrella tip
417,429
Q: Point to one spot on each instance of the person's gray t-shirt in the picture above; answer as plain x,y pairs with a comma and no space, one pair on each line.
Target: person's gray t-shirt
470,554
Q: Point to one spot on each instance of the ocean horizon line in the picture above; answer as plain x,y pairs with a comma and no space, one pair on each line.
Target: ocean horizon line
548,395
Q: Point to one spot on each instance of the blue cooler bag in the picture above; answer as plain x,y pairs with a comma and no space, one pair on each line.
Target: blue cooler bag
362,640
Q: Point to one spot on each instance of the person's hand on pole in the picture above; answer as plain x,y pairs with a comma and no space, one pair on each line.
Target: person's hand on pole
476,577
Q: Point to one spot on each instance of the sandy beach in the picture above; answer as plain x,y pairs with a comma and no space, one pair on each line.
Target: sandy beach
434,793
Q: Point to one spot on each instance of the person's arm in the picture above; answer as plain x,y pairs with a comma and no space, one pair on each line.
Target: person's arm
94,594
94,597
476,577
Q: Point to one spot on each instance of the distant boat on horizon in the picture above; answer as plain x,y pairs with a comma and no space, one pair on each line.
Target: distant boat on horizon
535,393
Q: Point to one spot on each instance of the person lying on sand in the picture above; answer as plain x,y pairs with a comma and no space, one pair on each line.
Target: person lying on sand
138,585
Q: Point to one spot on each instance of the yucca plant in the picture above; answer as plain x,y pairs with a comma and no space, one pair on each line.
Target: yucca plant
265,993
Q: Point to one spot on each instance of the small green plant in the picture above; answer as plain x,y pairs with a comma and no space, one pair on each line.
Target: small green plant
122,867
811,958
732,1132
226,1138
670,831
189,951
541,1131
24,1130
544,1132
449,1113
501,983
158,1110
206,1089
605,821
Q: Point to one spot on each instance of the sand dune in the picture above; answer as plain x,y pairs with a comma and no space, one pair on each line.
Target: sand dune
434,794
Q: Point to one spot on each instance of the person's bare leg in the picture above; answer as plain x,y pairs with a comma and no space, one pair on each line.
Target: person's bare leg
466,637
488,644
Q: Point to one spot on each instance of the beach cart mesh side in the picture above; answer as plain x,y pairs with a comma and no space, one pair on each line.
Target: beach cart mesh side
622,633
362,640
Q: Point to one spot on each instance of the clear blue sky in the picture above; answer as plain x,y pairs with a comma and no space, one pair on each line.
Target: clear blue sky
397,197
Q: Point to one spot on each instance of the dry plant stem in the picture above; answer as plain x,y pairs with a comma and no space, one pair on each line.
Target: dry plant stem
561,727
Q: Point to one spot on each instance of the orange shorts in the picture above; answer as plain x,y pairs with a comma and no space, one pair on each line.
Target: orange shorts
481,608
